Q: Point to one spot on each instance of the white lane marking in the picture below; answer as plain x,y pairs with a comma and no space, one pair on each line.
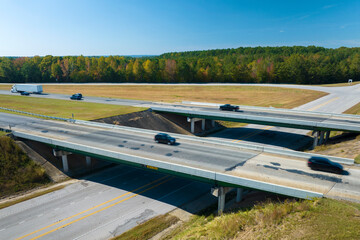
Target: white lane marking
86,197
21,222
2,229
72,203
56,209
40,215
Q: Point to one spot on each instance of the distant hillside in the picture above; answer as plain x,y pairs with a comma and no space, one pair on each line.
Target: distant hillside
294,65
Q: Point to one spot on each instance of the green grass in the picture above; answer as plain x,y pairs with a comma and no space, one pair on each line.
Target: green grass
17,171
149,228
232,124
30,196
354,110
63,108
357,159
302,219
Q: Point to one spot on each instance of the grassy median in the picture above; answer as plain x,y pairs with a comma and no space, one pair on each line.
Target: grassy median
63,108
242,95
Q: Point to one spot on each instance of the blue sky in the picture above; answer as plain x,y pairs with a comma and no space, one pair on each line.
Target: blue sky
151,27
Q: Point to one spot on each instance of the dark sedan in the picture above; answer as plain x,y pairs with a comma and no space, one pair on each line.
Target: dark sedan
324,164
229,107
76,96
164,138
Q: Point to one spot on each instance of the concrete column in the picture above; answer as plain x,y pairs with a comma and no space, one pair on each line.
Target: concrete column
327,135
65,163
192,125
213,123
321,137
88,161
221,200
239,194
316,135
203,121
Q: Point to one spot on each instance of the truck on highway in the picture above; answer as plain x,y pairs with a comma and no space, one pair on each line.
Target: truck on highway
30,88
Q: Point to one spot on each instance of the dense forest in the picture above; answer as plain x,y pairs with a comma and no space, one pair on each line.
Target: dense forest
296,65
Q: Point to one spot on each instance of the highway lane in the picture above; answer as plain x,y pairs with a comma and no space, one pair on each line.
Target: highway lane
99,207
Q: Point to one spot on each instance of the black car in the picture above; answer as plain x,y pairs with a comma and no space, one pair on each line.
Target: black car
229,107
164,138
324,164
76,96
25,93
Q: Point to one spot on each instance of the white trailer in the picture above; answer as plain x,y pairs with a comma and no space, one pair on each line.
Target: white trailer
31,88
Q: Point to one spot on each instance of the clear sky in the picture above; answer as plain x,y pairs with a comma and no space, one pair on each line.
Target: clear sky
151,27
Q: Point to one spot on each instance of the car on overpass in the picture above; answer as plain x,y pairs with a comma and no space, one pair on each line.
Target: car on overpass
76,96
229,107
324,164
164,138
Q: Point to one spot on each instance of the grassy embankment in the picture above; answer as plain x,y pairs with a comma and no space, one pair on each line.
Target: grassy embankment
17,171
303,219
65,109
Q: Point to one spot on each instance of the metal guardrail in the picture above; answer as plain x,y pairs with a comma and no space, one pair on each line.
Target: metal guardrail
177,168
38,115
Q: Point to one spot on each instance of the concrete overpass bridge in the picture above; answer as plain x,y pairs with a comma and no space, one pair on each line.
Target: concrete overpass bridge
221,164
320,123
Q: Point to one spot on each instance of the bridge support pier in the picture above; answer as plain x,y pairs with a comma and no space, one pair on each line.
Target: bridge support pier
192,122
221,200
88,161
64,159
239,194
65,163
213,123
316,135
327,135
220,192
322,133
203,124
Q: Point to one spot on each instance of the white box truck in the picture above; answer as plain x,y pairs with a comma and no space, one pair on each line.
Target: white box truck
30,88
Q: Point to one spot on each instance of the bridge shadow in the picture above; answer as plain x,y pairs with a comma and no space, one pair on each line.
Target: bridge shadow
278,138
170,190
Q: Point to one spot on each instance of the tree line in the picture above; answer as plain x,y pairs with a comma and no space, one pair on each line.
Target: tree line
294,65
